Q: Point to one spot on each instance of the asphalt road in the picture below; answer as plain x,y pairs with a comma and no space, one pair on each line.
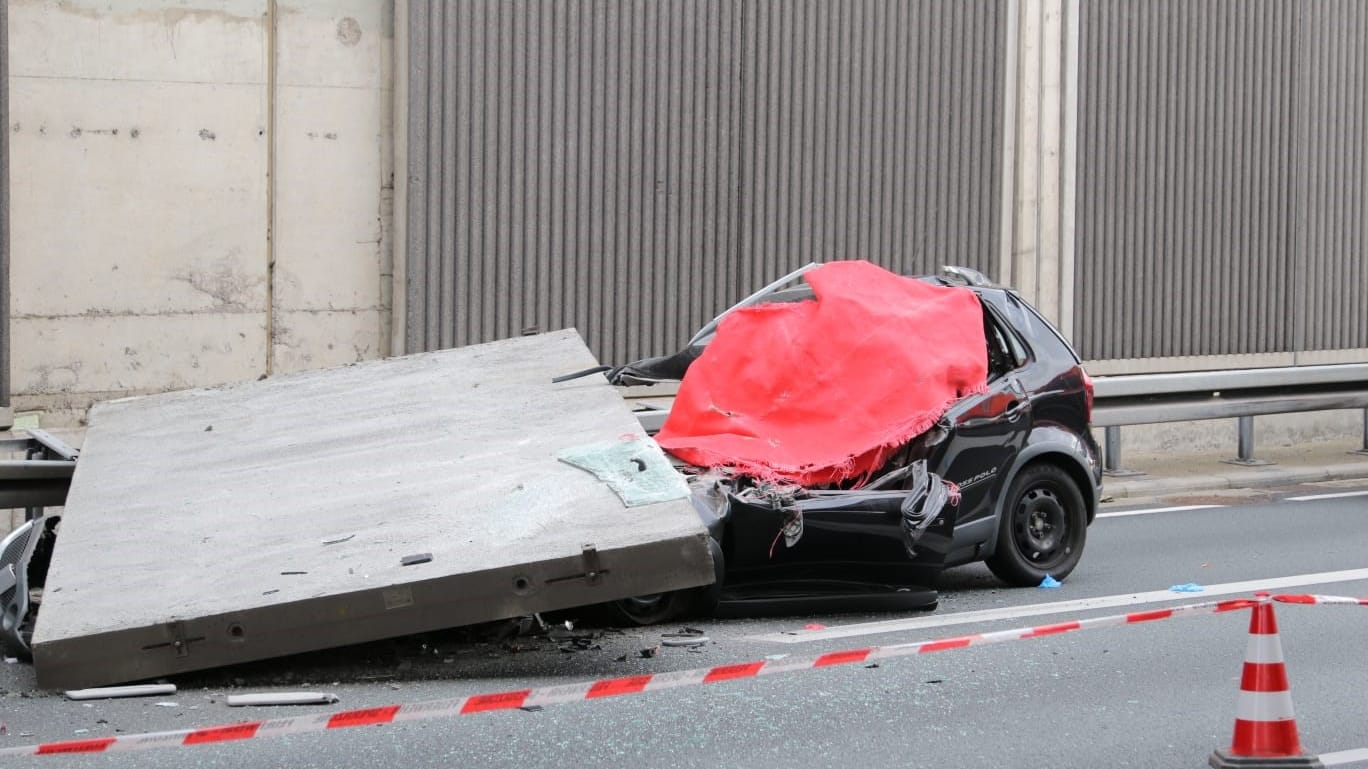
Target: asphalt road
1159,694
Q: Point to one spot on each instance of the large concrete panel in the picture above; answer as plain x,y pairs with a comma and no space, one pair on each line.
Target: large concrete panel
310,339
187,41
138,198
222,525
327,201
188,162
334,182
106,356
140,149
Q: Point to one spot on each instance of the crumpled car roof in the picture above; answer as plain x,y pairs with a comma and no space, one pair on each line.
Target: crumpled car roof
824,391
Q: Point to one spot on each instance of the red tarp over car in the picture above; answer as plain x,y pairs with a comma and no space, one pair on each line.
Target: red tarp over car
822,391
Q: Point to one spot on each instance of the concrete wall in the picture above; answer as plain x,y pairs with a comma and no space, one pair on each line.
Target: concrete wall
156,148
201,192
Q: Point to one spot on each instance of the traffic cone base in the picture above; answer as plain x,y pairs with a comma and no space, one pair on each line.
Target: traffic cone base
1223,760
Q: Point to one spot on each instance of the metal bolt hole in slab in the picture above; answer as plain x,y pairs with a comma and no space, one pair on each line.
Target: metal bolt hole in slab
176,540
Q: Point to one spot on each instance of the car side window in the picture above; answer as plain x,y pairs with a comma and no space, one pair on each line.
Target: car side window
1003,353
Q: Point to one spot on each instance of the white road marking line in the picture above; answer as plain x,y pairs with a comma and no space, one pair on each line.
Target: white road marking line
1344,757
1148,511
1341,495
1057,607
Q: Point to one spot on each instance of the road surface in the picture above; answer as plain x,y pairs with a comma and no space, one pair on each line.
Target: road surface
1159,694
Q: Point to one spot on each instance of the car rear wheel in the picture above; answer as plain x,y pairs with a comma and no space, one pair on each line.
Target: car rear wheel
653,609
1043,528
663,607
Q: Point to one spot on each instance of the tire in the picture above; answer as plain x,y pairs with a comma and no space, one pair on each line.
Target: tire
1043,528
653,609
662,607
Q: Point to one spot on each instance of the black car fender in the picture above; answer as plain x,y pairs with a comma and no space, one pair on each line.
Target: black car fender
1061,447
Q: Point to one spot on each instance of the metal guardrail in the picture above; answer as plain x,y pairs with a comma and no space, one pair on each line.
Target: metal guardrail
1137,399
41,478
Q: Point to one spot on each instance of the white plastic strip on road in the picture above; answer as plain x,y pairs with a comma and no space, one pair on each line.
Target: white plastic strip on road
1344,757
1340,495
1056,607
1148,511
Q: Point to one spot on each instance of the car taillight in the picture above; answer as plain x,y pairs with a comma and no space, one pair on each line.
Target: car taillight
1088,394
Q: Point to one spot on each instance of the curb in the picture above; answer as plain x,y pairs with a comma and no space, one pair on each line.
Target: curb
1251,478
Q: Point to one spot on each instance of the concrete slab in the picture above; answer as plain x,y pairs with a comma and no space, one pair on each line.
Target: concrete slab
223,525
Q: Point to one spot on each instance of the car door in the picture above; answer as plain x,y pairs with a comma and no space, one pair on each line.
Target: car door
987,431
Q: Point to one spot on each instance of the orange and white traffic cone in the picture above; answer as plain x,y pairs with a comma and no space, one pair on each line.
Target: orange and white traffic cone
1265,728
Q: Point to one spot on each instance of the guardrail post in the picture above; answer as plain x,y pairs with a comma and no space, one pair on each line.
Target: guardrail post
1111,458
1111,454
1364,450
1246,456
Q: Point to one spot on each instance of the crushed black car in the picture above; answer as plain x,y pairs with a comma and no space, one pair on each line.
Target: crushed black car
1008,475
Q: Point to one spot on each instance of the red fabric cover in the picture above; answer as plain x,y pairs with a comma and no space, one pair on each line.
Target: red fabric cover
823,391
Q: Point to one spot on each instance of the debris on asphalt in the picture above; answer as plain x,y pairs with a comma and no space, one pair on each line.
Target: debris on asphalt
111,692
775,657
1190,587
416,558
168,704
1050,582
814,626
688,637
579,644
282,698
670,639
338,540
653,651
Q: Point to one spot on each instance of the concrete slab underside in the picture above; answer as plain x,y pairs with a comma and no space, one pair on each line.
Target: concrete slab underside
229,524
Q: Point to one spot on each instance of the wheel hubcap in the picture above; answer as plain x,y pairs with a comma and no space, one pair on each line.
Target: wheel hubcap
1041,527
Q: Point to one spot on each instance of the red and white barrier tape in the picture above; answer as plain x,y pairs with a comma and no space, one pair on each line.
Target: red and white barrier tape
1320,599
578,692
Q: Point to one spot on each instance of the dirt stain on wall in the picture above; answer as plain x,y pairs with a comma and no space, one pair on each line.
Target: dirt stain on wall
348,31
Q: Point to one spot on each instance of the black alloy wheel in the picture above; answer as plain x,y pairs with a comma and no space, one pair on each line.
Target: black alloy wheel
1043,528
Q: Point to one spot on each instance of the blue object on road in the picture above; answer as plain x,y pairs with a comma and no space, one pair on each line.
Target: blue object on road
1049,582
1191,587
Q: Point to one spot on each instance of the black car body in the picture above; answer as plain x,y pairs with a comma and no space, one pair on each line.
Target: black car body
1021,464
